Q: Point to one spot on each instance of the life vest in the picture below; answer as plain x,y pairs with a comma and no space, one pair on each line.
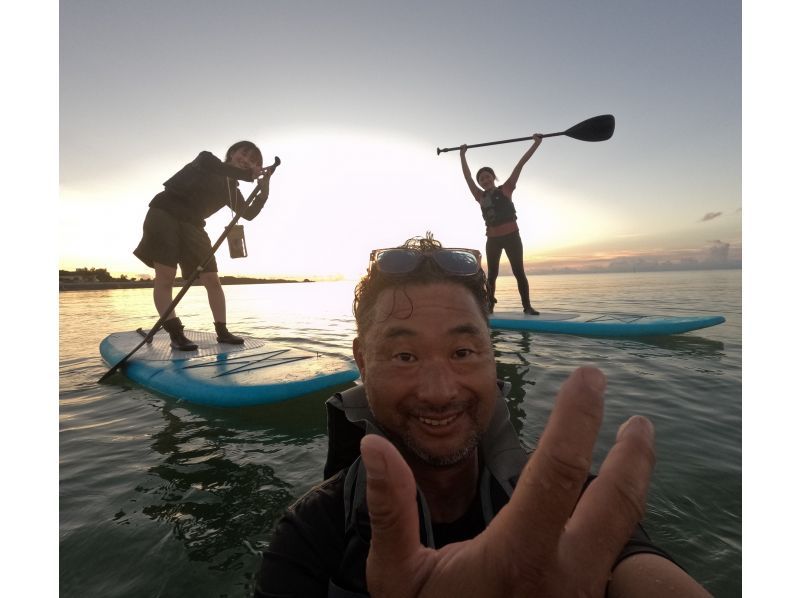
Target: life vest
349,419
496,208
201,188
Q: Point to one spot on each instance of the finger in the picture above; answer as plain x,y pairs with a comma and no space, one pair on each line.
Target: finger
552,479
614,502
391,499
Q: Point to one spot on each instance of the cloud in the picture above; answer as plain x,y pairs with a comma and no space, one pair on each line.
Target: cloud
710,216
718,253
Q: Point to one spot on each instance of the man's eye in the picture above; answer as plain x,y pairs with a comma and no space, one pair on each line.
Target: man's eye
461,353
405,357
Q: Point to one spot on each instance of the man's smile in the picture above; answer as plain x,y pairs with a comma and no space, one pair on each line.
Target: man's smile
439,421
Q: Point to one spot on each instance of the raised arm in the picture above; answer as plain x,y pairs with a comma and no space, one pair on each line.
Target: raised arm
263,193
476,193
512,180
210,162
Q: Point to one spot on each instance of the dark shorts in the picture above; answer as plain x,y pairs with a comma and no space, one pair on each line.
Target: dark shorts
169,241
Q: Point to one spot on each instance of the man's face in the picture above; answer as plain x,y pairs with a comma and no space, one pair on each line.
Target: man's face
428,368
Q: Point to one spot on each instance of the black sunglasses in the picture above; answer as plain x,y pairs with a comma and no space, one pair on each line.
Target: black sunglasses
399,260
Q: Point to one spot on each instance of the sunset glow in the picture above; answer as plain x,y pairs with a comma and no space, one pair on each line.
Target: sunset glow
356,113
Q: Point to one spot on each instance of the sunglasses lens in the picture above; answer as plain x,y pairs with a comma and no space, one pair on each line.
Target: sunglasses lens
456,262
459,263
397,261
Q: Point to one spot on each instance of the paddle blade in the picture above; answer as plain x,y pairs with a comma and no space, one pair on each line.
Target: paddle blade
109,373
598,128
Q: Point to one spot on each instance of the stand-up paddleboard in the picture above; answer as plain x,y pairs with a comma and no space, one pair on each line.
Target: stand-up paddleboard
223,375
601,325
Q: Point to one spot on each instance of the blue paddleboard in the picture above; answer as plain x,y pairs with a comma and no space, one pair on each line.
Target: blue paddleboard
601,325
222,375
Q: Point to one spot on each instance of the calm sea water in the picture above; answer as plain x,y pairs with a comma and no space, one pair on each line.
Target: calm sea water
163,498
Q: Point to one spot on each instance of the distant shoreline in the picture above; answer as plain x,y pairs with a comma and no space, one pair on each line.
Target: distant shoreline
148,284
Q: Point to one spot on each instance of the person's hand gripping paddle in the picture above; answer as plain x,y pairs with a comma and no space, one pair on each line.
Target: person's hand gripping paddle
149,336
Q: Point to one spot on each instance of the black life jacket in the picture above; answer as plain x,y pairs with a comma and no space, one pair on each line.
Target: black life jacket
497,208
201,188
349,418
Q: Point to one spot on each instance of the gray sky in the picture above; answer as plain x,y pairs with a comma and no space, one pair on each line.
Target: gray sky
355,97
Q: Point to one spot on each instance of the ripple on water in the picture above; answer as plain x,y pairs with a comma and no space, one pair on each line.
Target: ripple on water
164,498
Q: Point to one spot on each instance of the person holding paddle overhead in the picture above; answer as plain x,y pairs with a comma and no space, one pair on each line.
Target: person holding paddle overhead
502,232
174,229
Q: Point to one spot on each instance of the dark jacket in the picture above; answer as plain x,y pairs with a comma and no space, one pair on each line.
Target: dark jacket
320,547
202,187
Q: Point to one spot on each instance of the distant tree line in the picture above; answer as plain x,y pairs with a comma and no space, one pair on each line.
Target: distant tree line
90,275
82,276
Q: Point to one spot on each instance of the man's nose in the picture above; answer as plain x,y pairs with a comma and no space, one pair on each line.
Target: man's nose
437,381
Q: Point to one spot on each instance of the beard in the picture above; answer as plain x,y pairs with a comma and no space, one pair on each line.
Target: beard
404,440
451,458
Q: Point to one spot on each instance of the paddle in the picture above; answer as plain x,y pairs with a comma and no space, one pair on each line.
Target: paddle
597,128
149,336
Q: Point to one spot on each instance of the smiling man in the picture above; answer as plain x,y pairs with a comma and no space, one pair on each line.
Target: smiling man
443,500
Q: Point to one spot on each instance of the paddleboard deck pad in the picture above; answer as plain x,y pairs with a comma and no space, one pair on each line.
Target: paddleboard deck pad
610,325
224,375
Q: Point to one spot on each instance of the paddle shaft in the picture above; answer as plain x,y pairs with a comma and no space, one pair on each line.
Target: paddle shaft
149,336
597,128
450,149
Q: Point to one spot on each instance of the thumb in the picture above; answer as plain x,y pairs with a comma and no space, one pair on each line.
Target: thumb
391,499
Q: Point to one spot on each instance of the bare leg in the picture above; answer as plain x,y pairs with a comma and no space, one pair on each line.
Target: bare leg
162,289
216,299
216,296
162,296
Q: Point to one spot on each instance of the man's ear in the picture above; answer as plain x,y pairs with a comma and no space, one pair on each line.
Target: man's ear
358,355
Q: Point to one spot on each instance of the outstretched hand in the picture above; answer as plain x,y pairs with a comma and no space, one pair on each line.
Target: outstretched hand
264,175
545,542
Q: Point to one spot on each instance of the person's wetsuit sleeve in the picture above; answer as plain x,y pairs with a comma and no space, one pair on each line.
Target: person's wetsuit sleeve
254,209
306,546
639,541
209,162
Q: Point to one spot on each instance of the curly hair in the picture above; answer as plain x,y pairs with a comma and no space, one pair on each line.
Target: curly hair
375,282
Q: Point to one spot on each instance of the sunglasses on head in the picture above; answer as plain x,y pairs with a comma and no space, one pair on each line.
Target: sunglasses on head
399,260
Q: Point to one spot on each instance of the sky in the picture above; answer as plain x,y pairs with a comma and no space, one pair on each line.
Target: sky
355,97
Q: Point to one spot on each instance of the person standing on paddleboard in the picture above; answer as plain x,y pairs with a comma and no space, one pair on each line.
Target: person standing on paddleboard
174,229
502,232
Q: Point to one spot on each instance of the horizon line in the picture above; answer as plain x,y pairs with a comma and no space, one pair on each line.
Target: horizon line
628,269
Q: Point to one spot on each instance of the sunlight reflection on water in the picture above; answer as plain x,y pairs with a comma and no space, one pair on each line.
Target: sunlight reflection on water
173,497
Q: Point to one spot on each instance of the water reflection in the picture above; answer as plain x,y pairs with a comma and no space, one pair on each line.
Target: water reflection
217,493
692,346
158,496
